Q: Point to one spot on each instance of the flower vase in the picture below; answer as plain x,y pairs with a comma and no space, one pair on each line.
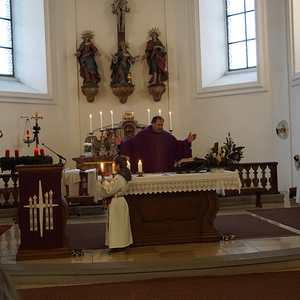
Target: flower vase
87,154
217,170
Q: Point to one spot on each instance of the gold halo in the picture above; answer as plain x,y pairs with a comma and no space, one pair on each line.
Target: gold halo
121,43
87,33
155,29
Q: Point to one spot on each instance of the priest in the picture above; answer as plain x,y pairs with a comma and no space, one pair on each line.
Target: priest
156,148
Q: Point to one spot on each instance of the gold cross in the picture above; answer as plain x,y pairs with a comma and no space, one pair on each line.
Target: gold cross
36,118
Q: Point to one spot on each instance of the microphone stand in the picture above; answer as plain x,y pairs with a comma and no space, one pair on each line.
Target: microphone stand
60,157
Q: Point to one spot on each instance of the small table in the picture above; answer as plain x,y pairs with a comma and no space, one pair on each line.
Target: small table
176,208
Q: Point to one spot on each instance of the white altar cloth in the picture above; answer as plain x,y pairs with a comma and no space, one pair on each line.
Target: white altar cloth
173,182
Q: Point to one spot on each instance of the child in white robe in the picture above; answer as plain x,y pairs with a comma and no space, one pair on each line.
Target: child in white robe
118,230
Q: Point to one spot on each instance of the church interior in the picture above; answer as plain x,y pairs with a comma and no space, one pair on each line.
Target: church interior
257,106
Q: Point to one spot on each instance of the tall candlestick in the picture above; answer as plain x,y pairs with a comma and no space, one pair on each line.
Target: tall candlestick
148,116
159,112
140,167
112,119
101,124
91,128
170,114
102,168
36,152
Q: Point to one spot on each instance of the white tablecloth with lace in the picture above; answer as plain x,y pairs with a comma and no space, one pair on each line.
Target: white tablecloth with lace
172,182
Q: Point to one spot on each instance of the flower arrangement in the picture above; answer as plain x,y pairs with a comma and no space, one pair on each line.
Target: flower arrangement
222,156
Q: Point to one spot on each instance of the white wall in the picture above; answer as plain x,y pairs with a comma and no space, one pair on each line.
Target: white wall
251,119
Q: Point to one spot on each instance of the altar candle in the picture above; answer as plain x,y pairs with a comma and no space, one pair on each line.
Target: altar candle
112,119
128,164
16,153
102,168
101,124
170,114
36,152
159,112
140,167
148,116
91,127
27,133
42,152
6,153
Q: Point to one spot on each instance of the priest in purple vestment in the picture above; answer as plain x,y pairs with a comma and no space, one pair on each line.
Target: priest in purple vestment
155,147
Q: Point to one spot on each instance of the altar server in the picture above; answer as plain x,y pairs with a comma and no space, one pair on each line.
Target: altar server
118,231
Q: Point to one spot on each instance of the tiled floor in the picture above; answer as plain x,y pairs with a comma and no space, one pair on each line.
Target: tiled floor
9,243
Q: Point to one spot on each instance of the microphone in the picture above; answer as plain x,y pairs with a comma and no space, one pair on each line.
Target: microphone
60,157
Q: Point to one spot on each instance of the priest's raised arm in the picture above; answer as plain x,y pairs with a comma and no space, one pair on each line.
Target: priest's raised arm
156,148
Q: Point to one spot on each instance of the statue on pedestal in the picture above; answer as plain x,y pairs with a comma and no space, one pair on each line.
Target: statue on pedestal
121,63
156,58
86,58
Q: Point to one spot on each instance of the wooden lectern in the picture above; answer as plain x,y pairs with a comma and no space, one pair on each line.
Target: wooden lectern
42,213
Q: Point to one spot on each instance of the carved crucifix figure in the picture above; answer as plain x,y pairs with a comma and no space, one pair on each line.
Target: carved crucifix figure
119,7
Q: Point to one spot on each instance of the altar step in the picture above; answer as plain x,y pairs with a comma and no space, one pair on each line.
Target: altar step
250,200
117,271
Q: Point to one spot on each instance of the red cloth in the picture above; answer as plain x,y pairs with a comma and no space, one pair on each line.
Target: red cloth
157,151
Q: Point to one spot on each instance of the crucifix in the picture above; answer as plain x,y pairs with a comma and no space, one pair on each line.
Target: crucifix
119,7
36,128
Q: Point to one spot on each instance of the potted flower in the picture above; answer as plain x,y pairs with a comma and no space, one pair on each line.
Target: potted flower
220,157
87,149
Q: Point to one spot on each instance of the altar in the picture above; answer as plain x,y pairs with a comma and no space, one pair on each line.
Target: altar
175,208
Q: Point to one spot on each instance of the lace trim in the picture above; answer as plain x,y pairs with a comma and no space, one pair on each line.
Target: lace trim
183,183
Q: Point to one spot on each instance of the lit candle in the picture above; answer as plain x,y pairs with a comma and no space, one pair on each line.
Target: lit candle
170,114
91,128
36,152
148,116
128,164
140,167
101,124
27,133
42,152
112,119
102,168
159,112
6,153
16,153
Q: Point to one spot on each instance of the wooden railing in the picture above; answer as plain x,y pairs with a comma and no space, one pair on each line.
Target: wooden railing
10,192
261,174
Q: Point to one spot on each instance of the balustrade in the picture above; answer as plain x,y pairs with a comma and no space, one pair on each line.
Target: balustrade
261,174
10,191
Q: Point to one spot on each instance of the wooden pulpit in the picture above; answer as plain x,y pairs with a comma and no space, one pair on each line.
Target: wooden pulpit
42,213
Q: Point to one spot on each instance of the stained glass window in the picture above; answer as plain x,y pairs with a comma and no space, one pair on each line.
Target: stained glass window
241,36
6,42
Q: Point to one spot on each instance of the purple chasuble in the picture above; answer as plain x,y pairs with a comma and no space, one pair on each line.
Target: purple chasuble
157,151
